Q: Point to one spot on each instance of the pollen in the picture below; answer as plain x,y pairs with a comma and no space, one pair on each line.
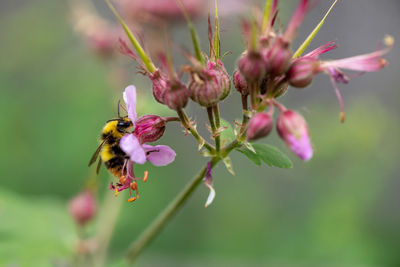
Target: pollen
122,179
131,199
134,186
116,192
389,40
146,175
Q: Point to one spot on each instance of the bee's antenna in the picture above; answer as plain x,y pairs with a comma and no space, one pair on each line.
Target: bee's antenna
119,116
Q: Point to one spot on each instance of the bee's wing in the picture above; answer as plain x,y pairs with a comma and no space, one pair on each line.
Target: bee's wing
98,166
96,153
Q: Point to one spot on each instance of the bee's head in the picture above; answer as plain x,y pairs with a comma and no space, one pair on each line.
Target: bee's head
123,123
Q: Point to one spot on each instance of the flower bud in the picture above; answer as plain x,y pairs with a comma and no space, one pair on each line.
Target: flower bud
82,207
302,72
260,125
252,66
240,83
159,86
292,128
149,128
176,95
210,85
278,57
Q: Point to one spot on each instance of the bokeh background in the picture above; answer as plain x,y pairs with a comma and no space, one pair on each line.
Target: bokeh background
339,209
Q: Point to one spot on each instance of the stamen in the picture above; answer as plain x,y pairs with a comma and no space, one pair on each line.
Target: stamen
131,199
122,179
116,192
339,97
146,175
134,186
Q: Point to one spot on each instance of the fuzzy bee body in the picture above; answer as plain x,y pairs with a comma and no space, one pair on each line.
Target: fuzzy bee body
109,150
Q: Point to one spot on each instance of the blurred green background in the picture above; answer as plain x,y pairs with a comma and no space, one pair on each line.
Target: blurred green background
339,209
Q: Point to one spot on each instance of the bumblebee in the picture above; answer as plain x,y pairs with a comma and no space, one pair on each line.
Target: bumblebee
109,149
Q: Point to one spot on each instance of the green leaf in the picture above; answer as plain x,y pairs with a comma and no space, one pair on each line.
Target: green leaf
312,35
272,156
228,164
250,155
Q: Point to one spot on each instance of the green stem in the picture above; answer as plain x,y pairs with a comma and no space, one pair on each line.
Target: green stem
212,124
107,221
158,224
193,34
218,125
139,49
165,216
188,125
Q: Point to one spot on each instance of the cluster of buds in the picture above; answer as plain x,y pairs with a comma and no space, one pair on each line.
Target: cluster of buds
268,66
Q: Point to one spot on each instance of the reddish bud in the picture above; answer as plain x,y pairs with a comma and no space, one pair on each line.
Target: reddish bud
159,86
210,85
176,95
252,66
260,125
240,83
82,207
278,57
149,128
302,72
169,92
292,128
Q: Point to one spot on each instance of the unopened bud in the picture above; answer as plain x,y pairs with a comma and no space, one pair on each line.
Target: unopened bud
292,128
176,95
302,72
260,125
149,128
159,86
210,85
252,66
278,57
82,207
240,83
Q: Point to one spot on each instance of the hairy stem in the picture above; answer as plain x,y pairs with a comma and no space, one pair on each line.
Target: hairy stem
188,126
218,125
164,217
213,127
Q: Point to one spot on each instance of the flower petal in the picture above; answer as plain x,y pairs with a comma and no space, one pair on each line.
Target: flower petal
208,181
130,102
131,146
159,155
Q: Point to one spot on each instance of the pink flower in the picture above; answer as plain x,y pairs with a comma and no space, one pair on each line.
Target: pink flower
136,149
292,128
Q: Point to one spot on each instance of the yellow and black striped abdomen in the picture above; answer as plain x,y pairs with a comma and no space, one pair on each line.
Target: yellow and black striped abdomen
111,153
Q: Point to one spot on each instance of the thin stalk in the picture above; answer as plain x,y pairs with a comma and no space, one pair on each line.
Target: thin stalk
139,49
193,33
159,223
212,124
188,125
216,33
107,221
218,125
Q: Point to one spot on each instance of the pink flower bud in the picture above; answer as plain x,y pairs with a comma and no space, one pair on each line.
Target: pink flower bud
168,91
252,66
240,83
82,207
292,128
149,128
260,125
210,85
302,72
176,95
278,57
159,86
